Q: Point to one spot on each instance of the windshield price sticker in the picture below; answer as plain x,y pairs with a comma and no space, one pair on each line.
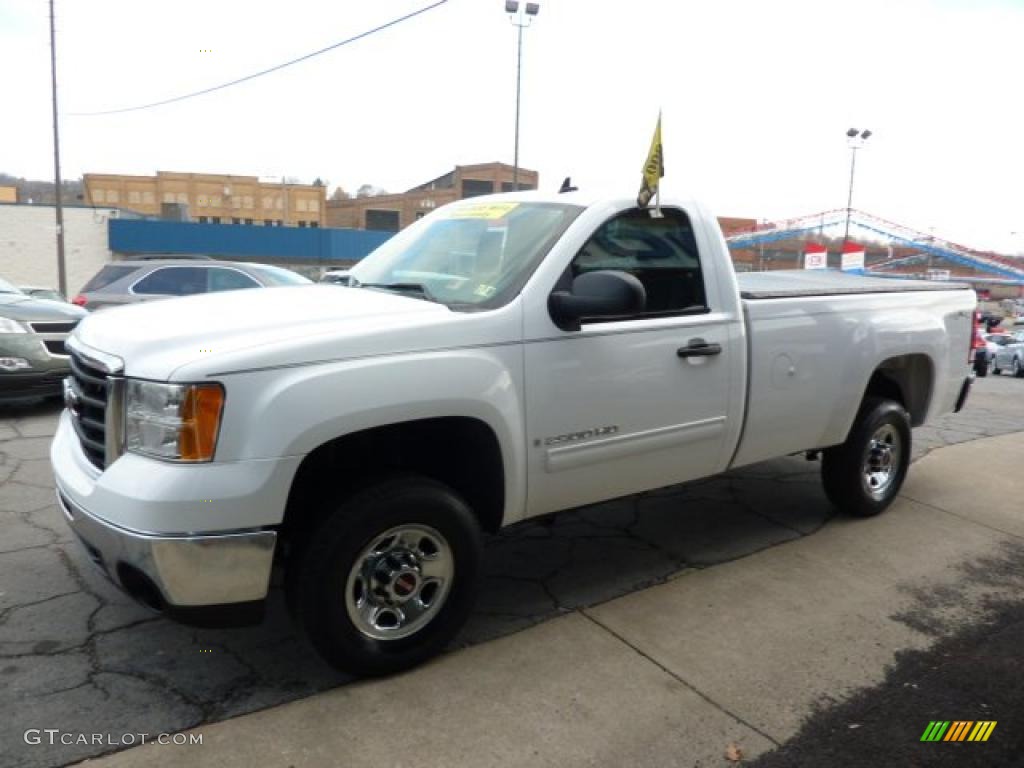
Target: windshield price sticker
490,212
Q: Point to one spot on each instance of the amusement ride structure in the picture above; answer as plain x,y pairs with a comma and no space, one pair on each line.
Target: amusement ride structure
927,249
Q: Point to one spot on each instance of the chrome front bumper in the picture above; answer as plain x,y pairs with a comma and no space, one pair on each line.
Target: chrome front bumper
177,572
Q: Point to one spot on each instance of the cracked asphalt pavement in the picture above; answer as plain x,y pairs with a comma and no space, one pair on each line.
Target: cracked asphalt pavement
77,655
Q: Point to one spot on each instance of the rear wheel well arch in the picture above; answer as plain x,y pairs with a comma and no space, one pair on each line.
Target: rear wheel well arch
462,452
906,379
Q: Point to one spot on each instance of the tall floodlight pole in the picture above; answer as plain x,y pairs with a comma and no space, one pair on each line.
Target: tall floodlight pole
855,140
521,15
62,281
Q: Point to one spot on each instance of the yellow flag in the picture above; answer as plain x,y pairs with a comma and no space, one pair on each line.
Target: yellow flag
654,169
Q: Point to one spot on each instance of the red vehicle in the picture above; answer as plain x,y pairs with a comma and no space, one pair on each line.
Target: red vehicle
979,358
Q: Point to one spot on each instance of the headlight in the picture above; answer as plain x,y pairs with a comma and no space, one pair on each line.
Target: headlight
173,421
14,364
11,326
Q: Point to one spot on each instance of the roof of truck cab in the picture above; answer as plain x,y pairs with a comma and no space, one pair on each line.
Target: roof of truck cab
583,197
787,283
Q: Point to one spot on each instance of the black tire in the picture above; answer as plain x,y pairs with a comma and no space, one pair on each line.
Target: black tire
1018,368
843,467
981,369
319,573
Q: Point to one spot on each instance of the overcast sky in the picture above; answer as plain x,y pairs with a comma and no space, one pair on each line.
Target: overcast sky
756,96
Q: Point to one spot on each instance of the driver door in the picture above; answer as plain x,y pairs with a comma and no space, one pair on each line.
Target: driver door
618,406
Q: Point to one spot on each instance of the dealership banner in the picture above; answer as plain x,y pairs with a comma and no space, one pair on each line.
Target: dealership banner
853,258
815,256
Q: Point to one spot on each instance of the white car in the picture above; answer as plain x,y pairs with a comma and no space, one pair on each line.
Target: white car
504,357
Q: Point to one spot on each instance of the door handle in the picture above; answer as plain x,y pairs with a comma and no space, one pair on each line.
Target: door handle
699,349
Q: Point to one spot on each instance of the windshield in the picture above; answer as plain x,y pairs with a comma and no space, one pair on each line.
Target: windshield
468,255
6,287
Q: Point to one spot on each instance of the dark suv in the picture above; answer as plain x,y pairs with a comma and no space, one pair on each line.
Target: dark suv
129,282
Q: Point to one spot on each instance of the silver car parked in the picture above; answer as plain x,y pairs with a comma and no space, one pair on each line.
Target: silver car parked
1009,353
129,282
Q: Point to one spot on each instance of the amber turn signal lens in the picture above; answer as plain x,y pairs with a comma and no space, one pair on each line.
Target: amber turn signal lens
200,416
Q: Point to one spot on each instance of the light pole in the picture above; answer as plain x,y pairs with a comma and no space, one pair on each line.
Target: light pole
855,140
521,15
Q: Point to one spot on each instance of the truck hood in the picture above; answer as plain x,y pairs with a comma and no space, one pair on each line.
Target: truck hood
273,326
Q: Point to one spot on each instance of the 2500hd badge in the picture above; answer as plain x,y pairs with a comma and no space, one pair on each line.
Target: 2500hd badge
586,434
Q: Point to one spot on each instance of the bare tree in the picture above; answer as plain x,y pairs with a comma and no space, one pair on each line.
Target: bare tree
72,190
369,190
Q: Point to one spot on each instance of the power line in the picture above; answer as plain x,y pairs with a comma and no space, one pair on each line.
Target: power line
261,73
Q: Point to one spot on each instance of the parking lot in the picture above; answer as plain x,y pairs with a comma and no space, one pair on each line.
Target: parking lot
78,656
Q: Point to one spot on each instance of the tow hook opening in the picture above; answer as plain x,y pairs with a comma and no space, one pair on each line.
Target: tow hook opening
140,587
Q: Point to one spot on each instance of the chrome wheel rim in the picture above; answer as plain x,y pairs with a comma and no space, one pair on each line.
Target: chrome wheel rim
399,582
881,462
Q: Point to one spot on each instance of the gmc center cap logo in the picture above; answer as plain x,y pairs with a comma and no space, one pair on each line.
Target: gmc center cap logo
405,584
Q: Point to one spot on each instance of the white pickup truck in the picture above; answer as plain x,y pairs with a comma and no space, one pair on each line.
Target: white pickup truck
505,357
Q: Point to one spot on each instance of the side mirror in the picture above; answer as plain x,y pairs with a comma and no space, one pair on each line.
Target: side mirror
604,293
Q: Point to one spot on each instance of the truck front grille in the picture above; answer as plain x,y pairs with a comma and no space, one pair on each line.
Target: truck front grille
89,414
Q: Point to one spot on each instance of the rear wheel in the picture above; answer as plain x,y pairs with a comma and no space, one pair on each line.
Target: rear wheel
389,577
862,476
1018,369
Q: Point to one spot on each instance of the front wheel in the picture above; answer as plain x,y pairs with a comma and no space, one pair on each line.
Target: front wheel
863,475
1018,369
389,577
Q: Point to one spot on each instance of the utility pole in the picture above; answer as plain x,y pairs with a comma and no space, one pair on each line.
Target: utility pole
284,200
62,280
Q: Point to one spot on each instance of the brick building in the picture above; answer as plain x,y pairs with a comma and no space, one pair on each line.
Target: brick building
397,211
211,198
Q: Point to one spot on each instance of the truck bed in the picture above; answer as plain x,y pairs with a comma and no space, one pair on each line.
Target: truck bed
790,283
